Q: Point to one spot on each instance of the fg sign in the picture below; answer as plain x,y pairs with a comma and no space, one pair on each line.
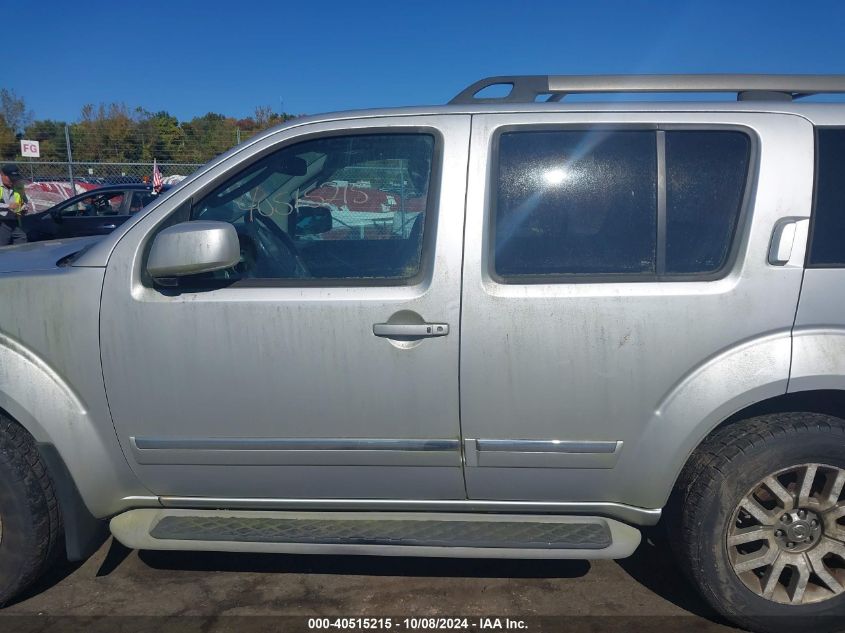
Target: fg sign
30,149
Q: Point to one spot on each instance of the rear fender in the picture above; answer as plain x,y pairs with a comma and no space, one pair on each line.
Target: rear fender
728,382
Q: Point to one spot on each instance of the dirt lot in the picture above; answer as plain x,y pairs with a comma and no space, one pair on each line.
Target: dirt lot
184,591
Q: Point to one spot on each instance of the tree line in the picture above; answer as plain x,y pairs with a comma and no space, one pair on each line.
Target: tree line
116,133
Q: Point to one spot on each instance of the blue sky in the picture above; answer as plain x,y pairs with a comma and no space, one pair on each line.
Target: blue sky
190,58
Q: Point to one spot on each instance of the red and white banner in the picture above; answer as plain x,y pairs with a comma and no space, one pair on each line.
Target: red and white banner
44,194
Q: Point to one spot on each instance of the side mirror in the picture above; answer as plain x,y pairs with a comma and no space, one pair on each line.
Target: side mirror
56,215
191,248
313,220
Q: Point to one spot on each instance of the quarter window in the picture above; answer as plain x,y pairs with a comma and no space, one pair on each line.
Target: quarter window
588,202
705,182
140,199
828,239
345,208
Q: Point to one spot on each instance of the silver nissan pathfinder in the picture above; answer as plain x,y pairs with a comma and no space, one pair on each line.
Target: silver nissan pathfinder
513,326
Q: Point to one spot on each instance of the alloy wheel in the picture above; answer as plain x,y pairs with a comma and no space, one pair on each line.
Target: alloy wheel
786,539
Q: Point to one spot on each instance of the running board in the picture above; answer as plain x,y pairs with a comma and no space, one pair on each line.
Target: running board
376,533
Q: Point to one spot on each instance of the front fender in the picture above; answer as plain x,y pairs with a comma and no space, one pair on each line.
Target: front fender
51,379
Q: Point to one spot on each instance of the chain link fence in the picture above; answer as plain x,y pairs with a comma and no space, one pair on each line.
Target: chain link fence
100,173
113,150
49,182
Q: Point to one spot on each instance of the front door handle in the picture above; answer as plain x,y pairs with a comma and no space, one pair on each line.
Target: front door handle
414,330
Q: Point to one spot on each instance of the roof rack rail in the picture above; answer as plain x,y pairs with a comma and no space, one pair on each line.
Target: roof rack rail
526,88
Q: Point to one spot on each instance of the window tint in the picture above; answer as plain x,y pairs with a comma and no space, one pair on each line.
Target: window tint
828,240
586,201
140,199
576,202
705,181
348,207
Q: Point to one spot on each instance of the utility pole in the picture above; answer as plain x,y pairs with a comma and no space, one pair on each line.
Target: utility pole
69,161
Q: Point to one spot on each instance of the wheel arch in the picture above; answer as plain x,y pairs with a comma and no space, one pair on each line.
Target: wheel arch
824,401
87,462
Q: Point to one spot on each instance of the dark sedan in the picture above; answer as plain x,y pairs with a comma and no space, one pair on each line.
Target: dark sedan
95,212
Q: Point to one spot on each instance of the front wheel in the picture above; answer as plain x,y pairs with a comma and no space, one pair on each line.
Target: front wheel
29,514
758,522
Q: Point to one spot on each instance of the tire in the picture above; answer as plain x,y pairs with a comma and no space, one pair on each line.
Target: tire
728,471
30,523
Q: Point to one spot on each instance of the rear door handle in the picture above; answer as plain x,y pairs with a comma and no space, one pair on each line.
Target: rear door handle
789,242
416,330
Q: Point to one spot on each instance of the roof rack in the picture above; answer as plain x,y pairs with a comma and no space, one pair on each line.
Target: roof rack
526,88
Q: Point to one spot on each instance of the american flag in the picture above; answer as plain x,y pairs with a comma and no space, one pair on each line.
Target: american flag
157,181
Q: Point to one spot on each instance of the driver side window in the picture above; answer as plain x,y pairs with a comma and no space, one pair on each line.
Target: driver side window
96,204
344,208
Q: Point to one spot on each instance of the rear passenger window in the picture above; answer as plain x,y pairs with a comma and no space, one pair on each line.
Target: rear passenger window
576,202
828,240
587,202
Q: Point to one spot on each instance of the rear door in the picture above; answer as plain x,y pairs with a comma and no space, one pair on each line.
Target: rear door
608,259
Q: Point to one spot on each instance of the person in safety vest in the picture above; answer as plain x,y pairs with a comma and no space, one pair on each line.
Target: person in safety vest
13,206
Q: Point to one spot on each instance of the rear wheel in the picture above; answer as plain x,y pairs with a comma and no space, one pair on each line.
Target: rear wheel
29,513
758,522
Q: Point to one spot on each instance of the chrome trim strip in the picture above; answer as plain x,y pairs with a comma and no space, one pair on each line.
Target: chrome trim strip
629,514
546,446
295,444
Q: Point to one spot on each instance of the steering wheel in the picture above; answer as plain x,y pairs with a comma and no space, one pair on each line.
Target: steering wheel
267,237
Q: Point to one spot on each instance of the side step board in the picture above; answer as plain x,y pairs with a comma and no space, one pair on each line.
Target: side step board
377,533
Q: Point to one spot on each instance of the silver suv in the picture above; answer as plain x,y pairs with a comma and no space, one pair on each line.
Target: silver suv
507,327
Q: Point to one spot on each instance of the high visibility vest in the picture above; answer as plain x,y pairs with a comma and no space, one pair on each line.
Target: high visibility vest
18,199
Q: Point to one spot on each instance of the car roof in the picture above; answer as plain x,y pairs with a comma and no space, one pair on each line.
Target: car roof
124,187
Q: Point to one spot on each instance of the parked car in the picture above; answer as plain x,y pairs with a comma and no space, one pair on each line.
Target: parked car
502,328
95,212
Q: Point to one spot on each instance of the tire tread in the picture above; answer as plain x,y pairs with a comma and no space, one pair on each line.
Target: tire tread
22,463
708,467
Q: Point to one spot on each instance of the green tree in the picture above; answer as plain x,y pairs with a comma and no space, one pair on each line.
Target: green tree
115,133
161,137
13,110
87,134
263,119
107,133
208,135
8,141
14,117
51,137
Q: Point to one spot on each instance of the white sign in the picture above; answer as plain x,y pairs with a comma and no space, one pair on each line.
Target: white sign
30,149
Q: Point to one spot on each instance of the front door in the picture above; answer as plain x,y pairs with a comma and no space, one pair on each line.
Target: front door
98,214
323,365
617,298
